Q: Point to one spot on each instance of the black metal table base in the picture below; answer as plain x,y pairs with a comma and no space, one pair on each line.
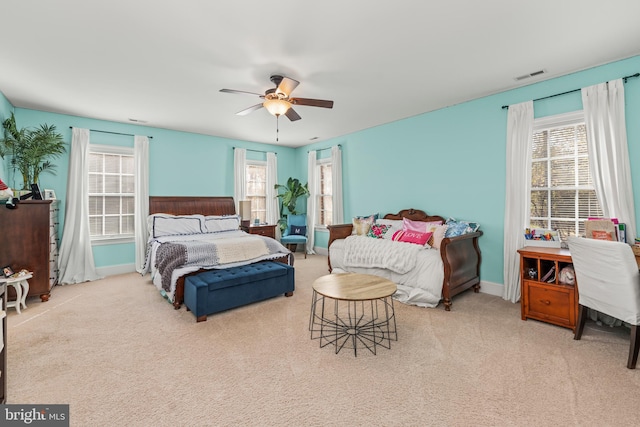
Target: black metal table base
353,324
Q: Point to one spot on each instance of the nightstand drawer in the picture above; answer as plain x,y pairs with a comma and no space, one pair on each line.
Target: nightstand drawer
263,230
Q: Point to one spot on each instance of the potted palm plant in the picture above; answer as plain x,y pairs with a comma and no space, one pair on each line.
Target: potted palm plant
31,149
293,190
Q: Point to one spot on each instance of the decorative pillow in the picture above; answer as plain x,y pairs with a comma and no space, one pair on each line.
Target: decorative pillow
375,216
361,226
458,228
422,226
438,234
217,223
170,225
416,237
297,230
378,231
601,235
394,225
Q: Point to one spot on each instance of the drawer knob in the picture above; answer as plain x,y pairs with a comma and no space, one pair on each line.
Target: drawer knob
545,301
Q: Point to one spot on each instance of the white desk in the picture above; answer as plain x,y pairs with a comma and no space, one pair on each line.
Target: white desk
21,285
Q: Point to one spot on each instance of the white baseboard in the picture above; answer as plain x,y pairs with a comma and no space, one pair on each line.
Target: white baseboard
491,288
113,270
321,251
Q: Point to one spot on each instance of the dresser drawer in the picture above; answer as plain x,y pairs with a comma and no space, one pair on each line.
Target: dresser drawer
549,303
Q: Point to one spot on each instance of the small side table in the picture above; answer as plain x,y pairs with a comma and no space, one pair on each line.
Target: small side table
362,314
261,229
21,285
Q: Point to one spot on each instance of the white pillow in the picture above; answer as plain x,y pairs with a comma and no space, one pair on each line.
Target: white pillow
216,223
395,224
171,225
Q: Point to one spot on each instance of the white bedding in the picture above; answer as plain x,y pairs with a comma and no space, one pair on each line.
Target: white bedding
154,244
421,285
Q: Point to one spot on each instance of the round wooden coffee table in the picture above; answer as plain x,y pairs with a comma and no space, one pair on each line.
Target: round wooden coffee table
350,309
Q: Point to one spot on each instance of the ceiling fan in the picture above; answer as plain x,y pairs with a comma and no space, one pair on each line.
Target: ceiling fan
278,100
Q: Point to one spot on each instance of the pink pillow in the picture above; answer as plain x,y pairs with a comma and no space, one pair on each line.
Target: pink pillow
416,237
421,226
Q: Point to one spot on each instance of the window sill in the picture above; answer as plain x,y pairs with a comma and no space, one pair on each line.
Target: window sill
112,241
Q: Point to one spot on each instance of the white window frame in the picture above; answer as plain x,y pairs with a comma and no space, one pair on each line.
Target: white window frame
260,163
318,195
112,149
550,122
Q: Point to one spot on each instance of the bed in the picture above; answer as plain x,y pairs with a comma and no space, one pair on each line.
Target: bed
208,207
431,275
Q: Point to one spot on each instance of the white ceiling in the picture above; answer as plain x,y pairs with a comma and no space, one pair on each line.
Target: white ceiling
164,62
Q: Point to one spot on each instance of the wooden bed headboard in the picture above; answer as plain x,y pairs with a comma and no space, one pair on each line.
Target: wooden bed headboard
185,205
415,215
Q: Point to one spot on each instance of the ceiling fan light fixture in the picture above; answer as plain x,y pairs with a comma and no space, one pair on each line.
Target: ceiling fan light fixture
277,107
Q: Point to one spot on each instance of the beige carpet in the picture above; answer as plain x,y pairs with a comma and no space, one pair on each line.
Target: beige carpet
122,356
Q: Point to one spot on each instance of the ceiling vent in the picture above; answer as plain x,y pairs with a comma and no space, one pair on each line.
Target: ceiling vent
527,76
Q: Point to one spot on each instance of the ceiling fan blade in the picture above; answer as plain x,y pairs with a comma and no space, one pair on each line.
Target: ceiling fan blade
287,86
241,91
249,110
292,115
312,102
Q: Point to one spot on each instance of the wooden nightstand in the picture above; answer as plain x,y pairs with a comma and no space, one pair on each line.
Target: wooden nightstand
546,298
263,230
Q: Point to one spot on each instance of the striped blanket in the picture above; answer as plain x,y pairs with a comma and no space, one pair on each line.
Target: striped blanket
215,253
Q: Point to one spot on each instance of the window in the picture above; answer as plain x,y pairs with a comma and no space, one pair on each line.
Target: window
562,192
256,181
324,197
111,193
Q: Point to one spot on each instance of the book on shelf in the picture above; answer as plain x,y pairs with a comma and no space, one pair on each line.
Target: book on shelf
548,277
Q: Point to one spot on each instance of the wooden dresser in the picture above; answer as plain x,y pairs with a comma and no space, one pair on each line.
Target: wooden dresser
29,242
546,298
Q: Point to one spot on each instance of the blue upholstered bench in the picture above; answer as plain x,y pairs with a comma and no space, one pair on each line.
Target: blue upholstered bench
218,290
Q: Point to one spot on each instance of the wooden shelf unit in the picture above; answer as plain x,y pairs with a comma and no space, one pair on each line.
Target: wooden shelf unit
548,301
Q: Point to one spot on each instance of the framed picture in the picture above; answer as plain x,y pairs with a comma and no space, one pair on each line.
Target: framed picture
35,191
49,194
8,272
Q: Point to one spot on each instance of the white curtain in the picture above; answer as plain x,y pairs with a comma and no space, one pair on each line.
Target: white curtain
273,207
604,116
75,260
518,193
141,159
239,174
311,201
336,185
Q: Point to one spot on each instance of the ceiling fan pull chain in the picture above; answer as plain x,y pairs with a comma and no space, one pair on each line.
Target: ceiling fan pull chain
277,126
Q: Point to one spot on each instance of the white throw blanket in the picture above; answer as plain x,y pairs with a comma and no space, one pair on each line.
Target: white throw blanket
362,251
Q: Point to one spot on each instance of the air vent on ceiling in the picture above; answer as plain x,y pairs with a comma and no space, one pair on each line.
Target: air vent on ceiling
527,76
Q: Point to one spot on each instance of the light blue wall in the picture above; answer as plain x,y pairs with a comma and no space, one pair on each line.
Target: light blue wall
182,164
449,162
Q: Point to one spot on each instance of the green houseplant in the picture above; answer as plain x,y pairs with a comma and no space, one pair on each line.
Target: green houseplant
30,149
288,196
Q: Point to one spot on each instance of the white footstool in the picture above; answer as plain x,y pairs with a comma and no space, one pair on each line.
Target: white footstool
21,285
